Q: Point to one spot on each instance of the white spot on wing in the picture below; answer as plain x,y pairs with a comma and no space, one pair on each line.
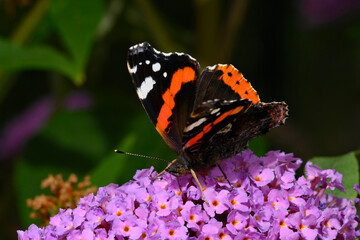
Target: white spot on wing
145,87
212,67
226,129
195,124
156,67
133,69
165,74
147,62
215,111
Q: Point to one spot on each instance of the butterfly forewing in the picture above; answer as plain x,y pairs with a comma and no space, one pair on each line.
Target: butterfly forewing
166,86
224,81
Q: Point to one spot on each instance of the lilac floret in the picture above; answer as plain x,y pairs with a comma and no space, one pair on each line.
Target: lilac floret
264,201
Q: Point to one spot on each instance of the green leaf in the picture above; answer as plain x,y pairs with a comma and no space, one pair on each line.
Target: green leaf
259,146
77,22
78,132
14,57
348,166
141,139
110,168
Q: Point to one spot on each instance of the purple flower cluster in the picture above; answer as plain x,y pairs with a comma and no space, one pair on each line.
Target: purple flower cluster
267,202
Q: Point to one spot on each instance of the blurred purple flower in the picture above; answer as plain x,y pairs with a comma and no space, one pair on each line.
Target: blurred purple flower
17,132
23,127
317,12
78,100
281,207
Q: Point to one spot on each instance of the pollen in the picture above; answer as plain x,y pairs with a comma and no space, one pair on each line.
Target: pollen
282,224
179,211
302,227
222,235
327,223
221,180
257,218
143,236
163,206
258,179
192,217
118,213
233,202
172,233
126,229
238,184
149,198
234,222
215,203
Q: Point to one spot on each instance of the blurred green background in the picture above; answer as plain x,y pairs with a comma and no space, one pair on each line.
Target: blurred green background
67,101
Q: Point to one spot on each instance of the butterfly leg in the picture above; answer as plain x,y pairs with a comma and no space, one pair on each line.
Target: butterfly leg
199,185
163,171
225,176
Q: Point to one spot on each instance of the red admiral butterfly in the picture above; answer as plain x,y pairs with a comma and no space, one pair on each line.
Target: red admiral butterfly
204,117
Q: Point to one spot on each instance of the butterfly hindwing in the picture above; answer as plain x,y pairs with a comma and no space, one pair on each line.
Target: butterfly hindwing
208,119
224,81
166,86
245,126
226,116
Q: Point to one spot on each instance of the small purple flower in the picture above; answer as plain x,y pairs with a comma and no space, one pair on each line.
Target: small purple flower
194,216
172,230
317,12
216,201
267,202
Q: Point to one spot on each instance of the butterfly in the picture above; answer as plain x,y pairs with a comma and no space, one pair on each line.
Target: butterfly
204,117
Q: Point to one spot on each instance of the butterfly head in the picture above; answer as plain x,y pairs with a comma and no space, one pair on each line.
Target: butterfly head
179,166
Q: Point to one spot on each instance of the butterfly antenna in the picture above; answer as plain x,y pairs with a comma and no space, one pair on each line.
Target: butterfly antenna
139,155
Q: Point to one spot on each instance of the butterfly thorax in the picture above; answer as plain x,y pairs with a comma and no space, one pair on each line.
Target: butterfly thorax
180,166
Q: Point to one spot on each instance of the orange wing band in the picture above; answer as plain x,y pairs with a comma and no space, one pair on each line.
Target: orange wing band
232,77
180,77
209,126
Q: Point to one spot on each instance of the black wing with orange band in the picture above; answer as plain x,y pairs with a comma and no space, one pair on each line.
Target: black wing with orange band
166,86
224,81
227,115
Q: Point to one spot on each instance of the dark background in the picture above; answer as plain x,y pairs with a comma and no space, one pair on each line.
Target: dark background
306,53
